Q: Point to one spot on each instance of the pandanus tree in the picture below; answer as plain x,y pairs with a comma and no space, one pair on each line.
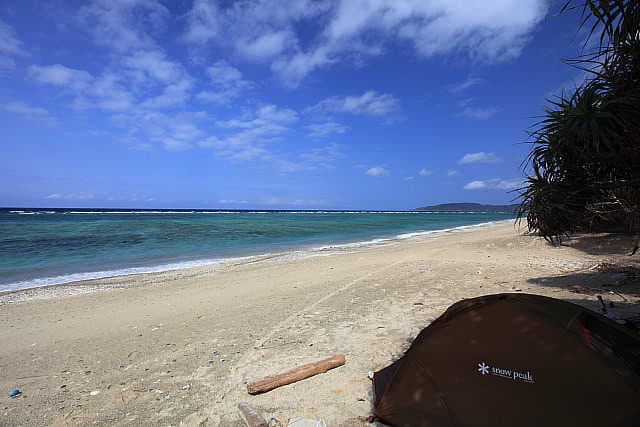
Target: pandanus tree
584,165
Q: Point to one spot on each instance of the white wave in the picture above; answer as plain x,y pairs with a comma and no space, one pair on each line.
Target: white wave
77,277
448,230
130,212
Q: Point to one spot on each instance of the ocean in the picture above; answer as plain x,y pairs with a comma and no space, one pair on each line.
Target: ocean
41,247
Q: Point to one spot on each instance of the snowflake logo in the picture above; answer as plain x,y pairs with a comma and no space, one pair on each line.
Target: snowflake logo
483,368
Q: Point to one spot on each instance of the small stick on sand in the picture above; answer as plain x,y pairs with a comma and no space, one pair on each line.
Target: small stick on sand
251,417
295,374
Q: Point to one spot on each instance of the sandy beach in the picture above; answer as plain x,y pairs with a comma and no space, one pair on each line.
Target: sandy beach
179,346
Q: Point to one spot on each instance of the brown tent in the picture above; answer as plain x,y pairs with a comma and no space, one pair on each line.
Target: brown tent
514,360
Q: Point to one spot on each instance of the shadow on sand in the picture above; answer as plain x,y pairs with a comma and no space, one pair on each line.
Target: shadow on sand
602,244
615,276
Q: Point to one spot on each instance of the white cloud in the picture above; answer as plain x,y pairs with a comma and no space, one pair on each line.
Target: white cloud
20,107
140,74
173,132
247,137
173,94
493,184
176,144
227,84
59,75
107,92
267,118
124,25
452,172
232,202
369,103
223,74
71,196
113,90
464,85
425,172
265,30
408,178
265,46
377,171
480,157
475,185
10,46
278,201
478,113
319,130
292,69
248,23
203,22
320,157
153,64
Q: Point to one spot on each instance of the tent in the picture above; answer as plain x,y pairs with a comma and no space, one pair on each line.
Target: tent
514,360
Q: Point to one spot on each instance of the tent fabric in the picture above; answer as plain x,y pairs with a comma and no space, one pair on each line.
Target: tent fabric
514,360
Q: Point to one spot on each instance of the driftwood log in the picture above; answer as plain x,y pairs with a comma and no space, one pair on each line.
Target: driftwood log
296,374
251,417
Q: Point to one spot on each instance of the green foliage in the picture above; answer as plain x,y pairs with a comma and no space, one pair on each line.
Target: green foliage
585,159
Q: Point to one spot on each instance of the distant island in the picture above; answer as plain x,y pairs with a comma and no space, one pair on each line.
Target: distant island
469,207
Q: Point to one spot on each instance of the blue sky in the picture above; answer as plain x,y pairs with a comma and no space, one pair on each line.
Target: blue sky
387,104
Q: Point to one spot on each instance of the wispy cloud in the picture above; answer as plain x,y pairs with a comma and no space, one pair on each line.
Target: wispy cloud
478,113
20,107
59,75
493,184
10,47
250,138
480,157
29,111
319,130
301,202
227,84
105,92
452,172
70,196
425,172
153,64
377,171
320,157
232,202
460,87
369,103
124,26
173,132
173,94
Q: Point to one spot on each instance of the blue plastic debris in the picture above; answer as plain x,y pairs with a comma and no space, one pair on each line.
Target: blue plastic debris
15,392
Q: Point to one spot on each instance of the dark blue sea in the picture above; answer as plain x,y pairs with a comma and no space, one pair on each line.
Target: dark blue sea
40,247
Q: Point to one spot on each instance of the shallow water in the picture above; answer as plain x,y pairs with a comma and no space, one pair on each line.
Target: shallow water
44,247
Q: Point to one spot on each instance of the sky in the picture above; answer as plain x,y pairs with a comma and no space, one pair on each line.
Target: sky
267,104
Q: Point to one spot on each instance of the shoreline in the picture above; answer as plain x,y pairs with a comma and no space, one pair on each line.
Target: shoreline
76,279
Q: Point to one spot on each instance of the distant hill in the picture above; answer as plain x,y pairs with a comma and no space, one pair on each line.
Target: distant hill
469,207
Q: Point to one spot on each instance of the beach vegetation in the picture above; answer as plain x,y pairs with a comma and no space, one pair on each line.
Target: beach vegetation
584,165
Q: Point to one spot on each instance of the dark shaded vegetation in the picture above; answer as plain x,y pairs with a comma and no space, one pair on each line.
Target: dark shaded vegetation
585,160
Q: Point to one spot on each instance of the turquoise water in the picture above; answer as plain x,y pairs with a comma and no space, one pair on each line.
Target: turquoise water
44,247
